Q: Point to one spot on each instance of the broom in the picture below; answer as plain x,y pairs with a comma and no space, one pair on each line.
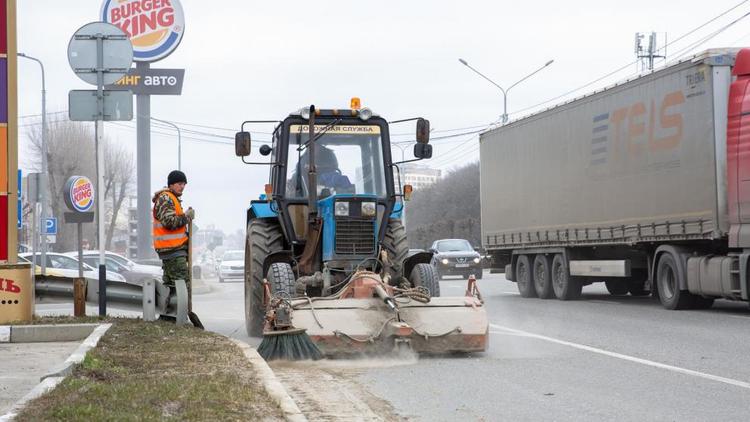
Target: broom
191,315
293,344
281,340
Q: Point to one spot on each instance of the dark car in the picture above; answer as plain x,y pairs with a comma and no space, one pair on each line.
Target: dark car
456,257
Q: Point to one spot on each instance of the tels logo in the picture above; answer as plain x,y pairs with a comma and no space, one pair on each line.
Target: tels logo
155,27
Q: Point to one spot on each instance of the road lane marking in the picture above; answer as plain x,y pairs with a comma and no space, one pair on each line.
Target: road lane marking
730,381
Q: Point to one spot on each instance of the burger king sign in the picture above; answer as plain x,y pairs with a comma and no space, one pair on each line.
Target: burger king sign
155,27
79,194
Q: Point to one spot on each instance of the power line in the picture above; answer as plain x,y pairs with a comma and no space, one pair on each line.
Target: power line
690,47
629,64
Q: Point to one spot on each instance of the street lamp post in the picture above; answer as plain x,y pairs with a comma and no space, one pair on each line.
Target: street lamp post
179,140
45,172
503,90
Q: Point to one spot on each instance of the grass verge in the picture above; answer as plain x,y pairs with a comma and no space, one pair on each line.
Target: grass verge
157,371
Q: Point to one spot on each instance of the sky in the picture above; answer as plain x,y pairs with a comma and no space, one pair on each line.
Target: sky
260,60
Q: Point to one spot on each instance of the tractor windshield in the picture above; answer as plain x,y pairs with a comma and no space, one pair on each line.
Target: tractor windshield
348,158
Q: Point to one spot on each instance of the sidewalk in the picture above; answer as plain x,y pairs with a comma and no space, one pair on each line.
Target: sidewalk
23,364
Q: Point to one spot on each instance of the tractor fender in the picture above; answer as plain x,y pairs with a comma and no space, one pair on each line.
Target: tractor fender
260,209
417,258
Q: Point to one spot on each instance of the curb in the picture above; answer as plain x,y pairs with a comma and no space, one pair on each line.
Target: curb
38,391
58,374
271,384
77,357
45,333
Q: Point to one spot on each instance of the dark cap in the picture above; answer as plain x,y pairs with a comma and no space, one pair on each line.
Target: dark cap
176,176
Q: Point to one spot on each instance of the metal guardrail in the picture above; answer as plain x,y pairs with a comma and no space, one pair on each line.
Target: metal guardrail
151,298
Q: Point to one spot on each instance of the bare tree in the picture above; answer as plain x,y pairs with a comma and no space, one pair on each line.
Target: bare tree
70,147
447,209
119,172
70,152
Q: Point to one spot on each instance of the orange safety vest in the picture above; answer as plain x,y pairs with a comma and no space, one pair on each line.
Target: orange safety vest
165,238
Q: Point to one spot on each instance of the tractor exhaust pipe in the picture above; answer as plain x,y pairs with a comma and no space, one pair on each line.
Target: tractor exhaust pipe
312,175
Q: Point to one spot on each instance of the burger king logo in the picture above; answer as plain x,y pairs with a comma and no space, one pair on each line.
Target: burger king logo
80,194
155,27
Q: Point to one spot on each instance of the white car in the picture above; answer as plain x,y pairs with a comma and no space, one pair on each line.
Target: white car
133,273
128,263
232,266
65,266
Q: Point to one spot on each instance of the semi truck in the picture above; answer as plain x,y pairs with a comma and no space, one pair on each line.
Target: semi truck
644,185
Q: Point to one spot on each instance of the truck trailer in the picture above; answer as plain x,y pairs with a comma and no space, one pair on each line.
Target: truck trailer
644,186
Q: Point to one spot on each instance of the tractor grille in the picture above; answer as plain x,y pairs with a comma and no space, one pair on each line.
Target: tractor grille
355,236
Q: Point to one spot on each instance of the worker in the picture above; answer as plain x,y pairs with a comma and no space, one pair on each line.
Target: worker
170,230
329,174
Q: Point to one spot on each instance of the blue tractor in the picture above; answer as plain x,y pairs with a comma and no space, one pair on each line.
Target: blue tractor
326,249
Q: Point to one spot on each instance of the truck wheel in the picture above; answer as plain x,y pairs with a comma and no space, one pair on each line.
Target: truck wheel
263,237
523,277
397,245
564,286
667,277
281,278
543,276
423,275
617,287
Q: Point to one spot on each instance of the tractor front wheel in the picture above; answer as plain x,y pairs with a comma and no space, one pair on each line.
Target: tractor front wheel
423,275
263,237
397,246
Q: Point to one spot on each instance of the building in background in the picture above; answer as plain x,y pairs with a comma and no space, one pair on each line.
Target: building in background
418,176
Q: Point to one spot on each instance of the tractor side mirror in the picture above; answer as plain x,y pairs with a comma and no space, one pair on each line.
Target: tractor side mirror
242,144
422,151
265,150
423,131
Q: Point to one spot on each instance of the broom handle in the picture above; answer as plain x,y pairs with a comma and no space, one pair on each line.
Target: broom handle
190,265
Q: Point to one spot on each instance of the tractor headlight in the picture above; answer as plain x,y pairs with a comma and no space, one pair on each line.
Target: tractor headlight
304,112
365,113
477,260
341,209
369,209
445,261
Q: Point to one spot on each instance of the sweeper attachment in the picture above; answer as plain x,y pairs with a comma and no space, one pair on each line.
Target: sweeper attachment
369,316
327,262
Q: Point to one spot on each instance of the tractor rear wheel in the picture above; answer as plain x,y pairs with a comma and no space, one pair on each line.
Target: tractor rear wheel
263,237
397,246
423,275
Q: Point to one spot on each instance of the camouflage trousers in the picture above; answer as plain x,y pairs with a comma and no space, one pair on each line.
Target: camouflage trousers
177,269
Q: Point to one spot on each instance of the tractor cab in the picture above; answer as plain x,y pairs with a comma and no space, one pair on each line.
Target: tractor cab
354,197
326,241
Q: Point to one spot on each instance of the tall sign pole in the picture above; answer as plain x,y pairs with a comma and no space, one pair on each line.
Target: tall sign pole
15,296
100,69
155,30
100,53
143,165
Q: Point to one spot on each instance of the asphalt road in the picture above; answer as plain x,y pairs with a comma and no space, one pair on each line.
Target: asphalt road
599,358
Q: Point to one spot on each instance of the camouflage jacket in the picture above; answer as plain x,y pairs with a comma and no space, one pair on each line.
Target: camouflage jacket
166,212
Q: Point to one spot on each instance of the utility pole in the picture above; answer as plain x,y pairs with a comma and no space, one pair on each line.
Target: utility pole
45,173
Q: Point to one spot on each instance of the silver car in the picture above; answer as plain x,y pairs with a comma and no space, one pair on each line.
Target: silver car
232,266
